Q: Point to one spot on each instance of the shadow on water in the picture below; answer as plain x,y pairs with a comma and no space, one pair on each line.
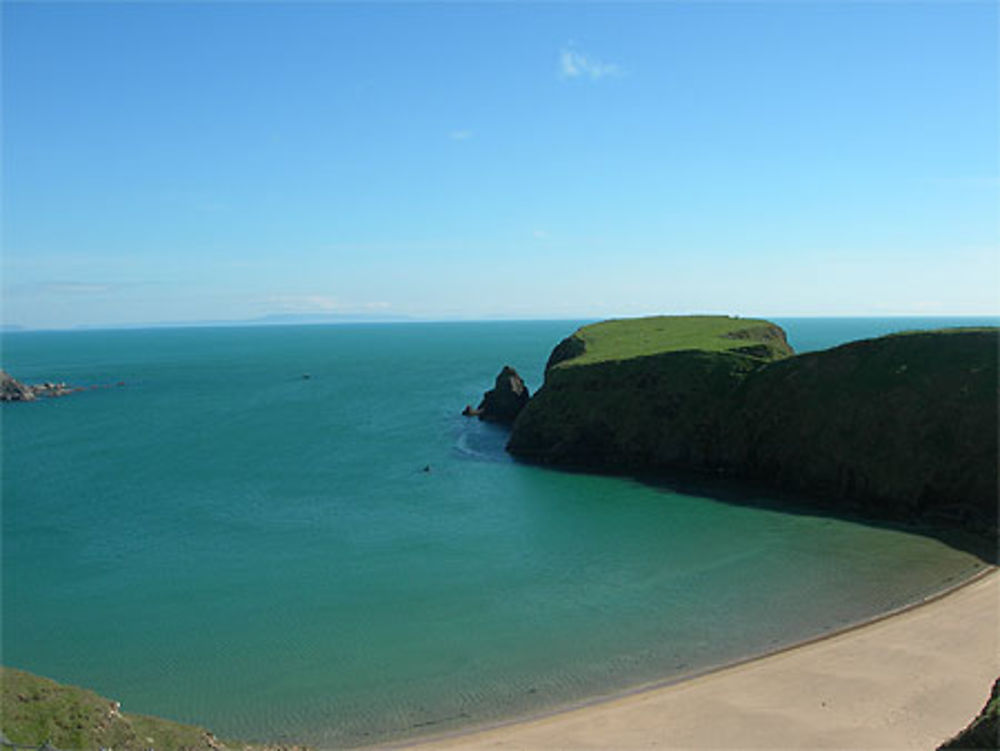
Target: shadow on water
481,441
759,495
749,493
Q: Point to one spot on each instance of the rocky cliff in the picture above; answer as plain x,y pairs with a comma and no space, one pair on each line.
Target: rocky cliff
903,427
644,393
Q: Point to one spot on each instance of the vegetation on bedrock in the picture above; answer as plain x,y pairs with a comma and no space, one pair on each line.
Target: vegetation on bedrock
640,393
984,731
623,339
903,427
35,710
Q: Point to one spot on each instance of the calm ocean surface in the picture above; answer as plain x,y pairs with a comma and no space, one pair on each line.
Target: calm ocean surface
225,543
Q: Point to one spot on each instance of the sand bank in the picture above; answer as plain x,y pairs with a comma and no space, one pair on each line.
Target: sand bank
909,681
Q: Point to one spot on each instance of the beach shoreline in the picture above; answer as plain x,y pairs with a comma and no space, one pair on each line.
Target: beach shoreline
875,697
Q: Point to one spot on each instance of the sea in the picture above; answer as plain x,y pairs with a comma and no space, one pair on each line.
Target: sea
291,533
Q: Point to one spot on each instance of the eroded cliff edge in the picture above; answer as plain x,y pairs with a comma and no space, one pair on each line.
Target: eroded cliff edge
900,428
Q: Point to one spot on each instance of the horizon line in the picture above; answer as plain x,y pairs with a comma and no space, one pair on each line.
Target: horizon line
281,320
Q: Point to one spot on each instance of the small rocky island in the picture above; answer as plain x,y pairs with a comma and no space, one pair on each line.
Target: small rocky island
504,402
12,390
899,428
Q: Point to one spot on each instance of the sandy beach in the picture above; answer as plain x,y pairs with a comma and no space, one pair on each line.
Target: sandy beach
908,681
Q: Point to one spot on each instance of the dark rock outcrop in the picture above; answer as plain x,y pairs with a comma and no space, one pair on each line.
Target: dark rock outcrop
900,428
984,731
504,402
12,390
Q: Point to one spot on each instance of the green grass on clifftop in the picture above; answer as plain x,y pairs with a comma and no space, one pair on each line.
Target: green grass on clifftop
623,339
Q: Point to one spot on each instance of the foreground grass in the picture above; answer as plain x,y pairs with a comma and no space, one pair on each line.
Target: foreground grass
36,710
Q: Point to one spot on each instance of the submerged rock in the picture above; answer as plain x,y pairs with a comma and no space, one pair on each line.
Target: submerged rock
504,402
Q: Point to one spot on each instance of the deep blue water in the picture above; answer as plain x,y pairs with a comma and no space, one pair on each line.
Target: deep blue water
224,542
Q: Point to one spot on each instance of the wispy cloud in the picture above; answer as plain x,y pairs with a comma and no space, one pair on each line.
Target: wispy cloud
576,64
460,135
539,234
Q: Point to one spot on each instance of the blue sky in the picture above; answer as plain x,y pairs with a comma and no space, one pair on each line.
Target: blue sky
190,161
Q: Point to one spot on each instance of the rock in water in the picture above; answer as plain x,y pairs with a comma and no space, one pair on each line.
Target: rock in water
506,399
12,390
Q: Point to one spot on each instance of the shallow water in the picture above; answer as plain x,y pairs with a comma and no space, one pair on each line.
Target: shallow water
221,541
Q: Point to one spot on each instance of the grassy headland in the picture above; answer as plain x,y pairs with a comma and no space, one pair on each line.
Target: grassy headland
900,428
633,394
624,339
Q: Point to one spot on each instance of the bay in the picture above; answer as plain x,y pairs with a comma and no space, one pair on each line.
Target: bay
225,542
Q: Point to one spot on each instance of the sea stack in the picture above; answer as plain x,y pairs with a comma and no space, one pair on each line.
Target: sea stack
504,402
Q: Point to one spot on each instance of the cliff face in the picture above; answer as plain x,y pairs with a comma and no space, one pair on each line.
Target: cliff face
903,427
644,393
658,411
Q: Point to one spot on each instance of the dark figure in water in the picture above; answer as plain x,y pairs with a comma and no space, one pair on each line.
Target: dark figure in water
427,468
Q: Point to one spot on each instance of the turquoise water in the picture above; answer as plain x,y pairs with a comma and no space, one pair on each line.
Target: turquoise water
221,541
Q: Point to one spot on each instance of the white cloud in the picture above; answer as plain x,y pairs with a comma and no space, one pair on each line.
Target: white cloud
539,234
575,64
460,135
